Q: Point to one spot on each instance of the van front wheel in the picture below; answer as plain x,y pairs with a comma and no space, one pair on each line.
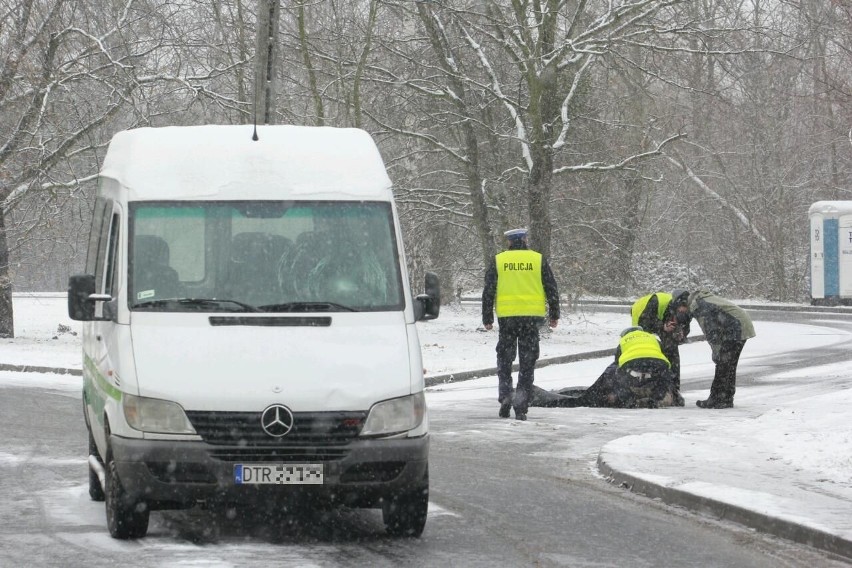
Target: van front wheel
405,514
126,517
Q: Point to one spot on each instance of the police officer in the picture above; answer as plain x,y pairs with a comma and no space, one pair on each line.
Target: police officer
727,327
667,316
520,285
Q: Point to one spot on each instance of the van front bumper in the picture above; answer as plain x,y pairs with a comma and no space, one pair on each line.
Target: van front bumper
173,474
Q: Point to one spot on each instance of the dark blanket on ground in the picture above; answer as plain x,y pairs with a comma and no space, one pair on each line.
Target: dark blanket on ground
553,399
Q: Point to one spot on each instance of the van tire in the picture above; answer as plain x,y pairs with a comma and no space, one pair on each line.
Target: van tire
405,514
127,518
96,492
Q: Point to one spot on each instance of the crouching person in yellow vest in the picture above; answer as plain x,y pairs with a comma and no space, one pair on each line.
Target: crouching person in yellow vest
640,377
667,316
521,288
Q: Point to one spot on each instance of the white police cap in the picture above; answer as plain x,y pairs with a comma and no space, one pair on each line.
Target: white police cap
515,234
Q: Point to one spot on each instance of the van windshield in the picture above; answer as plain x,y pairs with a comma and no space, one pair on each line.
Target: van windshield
265,256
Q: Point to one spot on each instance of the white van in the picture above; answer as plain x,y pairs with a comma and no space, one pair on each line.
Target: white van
250,332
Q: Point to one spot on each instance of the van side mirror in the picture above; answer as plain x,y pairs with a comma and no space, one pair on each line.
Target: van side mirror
82,297
428,305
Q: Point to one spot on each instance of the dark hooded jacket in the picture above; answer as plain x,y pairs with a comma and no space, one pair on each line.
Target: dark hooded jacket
720,320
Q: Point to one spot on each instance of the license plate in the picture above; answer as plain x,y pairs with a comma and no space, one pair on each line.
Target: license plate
280,474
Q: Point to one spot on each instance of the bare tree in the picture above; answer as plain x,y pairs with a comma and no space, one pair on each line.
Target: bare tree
763,141
40,126
72,73
490,113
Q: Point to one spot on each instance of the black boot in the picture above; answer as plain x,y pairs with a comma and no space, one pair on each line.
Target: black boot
505,407
714,403
519,401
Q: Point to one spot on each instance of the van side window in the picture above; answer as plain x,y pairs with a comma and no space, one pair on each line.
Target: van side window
99,216
100,257
106,239
111,256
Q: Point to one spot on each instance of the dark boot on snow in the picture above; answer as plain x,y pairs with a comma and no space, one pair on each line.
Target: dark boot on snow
505,407
712,403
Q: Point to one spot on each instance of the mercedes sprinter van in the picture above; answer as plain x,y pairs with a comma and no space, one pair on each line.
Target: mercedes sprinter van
249,330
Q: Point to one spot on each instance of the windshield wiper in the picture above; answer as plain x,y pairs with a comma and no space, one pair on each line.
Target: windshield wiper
200,303
306,307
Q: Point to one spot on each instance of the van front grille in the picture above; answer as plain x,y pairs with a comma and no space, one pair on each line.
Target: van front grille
244,429
279,455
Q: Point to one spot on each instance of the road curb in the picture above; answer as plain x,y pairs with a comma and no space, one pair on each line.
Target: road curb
558,360
37,369
491,371
580,305
727,512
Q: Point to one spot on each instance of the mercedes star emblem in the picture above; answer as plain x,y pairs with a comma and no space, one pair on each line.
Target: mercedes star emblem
277,420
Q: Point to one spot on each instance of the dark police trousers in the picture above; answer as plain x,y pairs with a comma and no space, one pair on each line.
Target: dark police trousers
725,379
518,335
671,350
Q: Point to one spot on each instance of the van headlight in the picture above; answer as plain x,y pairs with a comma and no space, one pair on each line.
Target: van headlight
155,415
395,416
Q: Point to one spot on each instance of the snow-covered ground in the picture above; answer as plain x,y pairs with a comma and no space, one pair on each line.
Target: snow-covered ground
784,451
781,457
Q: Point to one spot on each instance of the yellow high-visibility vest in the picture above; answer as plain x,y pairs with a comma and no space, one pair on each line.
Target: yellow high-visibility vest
519,288
640,345
663,301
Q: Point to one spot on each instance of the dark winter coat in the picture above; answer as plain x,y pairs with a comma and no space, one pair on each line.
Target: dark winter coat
720,320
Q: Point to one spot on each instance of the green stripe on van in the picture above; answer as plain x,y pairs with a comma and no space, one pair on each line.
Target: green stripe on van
94,375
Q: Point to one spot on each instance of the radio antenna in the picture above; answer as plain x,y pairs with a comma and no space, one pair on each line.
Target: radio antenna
254,115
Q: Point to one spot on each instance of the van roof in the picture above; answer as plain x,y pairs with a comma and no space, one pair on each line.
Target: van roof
223,163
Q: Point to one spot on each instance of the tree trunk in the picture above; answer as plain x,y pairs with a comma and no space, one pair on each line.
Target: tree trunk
7,315
477,195
626,234
471,140
265,61
543,112
628,215
538,200
316,95
362,63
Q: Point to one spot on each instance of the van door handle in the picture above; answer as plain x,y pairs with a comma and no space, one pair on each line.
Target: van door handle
98,337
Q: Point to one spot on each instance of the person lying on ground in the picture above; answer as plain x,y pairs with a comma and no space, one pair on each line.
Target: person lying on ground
640,377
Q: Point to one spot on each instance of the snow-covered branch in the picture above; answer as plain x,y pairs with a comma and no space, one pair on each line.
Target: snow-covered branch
21,190
604,167
696,179
566,120
520,129
430,139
